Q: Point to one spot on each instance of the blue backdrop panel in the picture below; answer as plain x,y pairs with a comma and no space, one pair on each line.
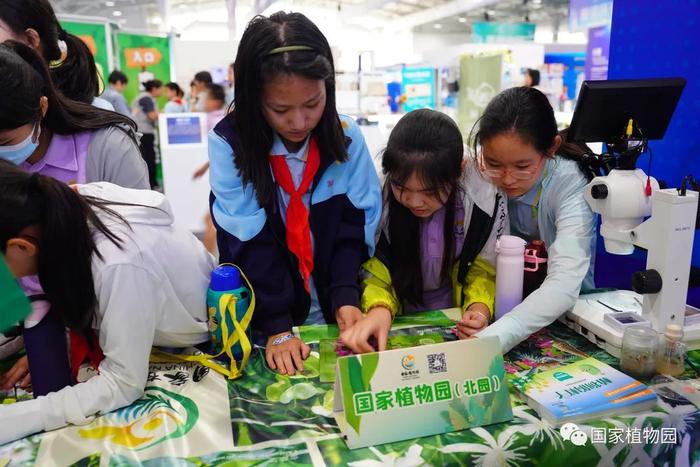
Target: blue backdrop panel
659,39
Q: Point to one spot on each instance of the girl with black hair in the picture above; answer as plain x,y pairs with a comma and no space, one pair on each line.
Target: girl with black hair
295,196
73,69
42,131
215,105
200,84
174,94
436,246
119,274
520,150
145,112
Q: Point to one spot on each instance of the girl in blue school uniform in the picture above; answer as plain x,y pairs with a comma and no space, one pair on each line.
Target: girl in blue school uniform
295,196
440,223
519,149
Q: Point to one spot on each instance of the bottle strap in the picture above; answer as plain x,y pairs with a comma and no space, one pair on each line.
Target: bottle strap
227,303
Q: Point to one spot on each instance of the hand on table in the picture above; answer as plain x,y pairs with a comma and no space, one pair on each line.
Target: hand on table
19,373
347,316
288,356
474,319
377,323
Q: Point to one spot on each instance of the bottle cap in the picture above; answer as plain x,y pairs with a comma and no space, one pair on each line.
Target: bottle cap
224,278
639,336
510,244
674,332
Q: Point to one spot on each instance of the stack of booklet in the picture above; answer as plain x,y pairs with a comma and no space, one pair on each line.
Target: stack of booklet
584,390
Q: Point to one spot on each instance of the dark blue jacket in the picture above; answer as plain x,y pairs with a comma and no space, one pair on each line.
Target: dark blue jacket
345,212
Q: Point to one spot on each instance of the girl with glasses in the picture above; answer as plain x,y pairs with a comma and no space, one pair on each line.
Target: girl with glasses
520,150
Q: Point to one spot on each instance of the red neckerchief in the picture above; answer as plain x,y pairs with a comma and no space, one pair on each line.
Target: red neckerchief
80,351
298,229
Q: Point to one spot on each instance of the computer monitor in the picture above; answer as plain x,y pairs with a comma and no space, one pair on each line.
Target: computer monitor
604,108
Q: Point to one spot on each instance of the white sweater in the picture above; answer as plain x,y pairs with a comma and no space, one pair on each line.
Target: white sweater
152,292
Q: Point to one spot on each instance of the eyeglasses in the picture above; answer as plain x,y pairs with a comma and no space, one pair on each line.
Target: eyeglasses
516,174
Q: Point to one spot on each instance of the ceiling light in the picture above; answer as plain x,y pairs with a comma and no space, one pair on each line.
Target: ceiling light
116,13
437,26
462,19
109,4
156,20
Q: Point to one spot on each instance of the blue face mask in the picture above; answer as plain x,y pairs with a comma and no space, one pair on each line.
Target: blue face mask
18,153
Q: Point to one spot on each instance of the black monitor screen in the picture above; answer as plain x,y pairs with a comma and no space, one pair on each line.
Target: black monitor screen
604,108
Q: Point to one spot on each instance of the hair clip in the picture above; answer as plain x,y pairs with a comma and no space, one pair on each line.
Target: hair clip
289,48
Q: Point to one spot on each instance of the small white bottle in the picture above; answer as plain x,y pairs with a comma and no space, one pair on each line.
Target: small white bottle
510,267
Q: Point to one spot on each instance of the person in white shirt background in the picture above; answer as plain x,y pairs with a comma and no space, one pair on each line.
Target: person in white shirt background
109,272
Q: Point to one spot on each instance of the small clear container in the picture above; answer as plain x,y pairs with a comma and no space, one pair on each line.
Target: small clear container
639,348
671,355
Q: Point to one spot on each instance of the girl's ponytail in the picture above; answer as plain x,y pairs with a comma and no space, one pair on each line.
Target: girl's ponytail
76,76
29,78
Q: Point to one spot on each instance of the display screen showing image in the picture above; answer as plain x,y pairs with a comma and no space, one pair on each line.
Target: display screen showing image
184,130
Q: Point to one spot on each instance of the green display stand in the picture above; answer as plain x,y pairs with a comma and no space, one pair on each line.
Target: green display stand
97,37
141,58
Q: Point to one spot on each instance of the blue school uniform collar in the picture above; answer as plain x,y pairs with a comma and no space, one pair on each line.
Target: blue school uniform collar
279,149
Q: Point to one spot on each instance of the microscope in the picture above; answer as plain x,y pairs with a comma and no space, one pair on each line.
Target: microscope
634,211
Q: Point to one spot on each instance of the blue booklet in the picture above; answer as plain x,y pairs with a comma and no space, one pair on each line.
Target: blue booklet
584,390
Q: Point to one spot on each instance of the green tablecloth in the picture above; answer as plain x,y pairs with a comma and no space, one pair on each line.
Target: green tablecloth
277,420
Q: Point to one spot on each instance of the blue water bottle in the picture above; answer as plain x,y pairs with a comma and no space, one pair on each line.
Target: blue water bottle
226,281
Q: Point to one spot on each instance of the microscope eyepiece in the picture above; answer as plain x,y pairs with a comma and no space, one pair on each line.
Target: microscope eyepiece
599,191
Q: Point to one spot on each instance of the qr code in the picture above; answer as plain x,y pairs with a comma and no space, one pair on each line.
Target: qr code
437,363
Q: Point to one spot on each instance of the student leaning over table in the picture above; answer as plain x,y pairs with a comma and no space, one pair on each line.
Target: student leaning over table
295,196
436,247
119,274
521,151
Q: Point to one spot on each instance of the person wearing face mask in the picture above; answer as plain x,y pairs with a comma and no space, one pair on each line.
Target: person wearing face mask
44,132
121,277
520,150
